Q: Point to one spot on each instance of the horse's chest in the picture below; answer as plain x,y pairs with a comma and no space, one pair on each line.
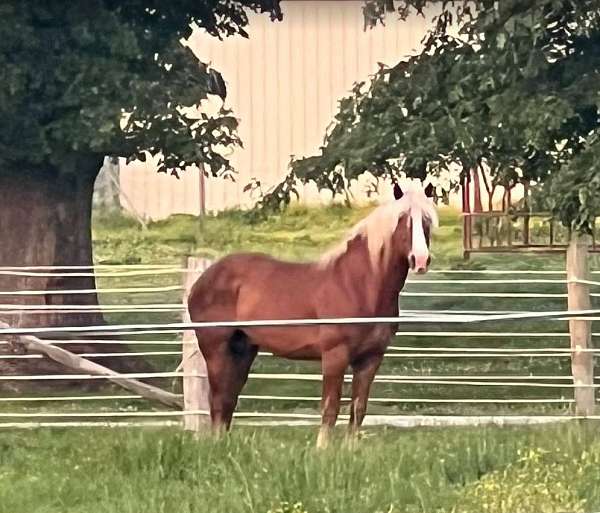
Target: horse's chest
372,339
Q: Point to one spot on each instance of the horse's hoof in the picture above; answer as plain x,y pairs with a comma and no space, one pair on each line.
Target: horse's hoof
323,439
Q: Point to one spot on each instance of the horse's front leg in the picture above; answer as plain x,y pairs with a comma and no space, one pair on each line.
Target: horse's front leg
364,371
334,364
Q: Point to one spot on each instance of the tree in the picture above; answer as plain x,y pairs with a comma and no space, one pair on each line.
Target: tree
83,80
515,89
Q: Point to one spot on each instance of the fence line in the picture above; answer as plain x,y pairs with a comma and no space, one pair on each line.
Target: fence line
77,274
503,282
69,398
347,400
83,267
83,309
281,415
556,353
410,316
521,353
176,331
387,377
287,419
530,295
119,290
46,269
94,355
173,413
405,380
417,281
405,421
111,342
482,334
182,326
150,306
427,334
148,269
59,377
141,308
299,398
370,420
90,424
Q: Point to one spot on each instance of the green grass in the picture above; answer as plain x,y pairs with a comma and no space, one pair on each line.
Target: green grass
544,469
258,471
300,233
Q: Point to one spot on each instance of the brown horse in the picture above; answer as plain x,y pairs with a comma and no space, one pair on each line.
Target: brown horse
360,278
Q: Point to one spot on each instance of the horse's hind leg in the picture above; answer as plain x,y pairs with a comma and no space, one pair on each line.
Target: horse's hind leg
243,353
364,372
228,363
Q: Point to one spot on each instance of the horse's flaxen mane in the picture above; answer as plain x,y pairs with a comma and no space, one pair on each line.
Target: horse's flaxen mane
379,226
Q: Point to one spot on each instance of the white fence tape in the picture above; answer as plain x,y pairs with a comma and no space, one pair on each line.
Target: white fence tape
69,398
483,380
405,421
297,398
303,322
114,342
119,290
58,377
524,295
83,308
99,274
94,355
87,267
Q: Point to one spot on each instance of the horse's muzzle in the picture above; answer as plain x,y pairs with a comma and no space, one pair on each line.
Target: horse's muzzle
419,264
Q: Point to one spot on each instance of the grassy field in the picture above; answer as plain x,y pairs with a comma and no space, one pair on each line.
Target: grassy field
544,469
302,234
274,470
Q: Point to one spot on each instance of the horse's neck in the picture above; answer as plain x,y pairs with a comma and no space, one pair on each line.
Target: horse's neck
378,285
390,279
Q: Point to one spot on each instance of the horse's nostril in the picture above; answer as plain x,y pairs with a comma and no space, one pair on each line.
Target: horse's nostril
412,261
428,260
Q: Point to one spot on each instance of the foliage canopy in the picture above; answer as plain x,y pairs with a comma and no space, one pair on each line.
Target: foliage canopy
511,85
108,77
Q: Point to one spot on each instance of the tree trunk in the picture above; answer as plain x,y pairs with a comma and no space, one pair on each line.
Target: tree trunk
45,220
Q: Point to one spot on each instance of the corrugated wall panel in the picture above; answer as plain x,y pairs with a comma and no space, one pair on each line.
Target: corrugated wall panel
283,84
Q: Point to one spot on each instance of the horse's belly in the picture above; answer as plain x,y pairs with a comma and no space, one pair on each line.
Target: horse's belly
290,342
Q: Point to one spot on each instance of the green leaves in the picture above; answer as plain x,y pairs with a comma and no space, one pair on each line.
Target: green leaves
518,92
112,78
575,190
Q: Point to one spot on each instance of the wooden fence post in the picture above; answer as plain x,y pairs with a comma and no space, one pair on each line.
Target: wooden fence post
193,366
582,361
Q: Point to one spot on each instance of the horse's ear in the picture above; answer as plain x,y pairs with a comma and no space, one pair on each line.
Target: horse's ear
397,191
429,191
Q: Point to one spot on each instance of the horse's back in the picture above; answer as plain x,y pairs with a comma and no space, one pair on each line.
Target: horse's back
238,278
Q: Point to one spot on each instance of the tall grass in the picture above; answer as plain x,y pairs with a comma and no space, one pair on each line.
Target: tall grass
510,470
257,471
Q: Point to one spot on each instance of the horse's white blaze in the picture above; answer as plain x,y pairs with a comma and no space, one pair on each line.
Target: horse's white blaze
419,251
